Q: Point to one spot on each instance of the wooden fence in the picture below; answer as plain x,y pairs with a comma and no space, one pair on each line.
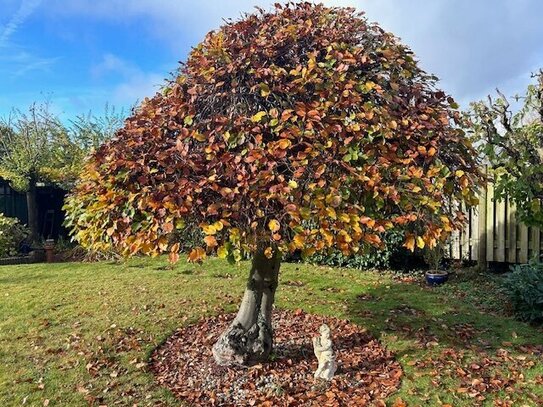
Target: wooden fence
493,234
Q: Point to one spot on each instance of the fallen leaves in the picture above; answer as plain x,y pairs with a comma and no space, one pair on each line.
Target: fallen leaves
367,372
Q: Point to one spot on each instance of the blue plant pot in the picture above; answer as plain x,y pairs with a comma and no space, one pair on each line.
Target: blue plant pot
435,277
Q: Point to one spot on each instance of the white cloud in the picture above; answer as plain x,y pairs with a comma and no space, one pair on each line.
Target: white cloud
26,8
133,83
136,88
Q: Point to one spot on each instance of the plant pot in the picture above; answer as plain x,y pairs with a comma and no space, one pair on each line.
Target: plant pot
436,277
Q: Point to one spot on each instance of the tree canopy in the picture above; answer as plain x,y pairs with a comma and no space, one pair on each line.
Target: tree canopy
303,128
512,142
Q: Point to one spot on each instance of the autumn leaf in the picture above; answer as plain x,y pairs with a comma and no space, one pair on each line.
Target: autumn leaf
258,116
210,241
274,225
264,91
222,252
173,257
196,255
284,144
410,242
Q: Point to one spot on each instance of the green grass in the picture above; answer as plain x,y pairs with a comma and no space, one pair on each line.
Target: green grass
75,334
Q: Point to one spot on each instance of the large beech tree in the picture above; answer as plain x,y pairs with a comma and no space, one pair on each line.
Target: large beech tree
301,129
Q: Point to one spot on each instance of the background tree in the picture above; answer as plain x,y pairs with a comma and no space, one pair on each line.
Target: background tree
36,147
302,129
27,157
90,131
513,145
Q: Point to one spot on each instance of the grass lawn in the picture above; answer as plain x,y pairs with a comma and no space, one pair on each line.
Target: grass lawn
73,334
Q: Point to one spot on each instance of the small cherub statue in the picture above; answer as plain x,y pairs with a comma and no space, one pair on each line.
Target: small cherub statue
325,354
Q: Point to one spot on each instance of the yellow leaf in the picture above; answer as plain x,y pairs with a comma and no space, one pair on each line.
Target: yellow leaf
369,85
222,252
459,173
299,241
199,136
331,212
209,229
420,242
274,225
293,184
258,117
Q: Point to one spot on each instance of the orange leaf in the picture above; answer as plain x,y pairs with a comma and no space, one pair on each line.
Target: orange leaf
410,242
284,144
173,257
196,255
210,241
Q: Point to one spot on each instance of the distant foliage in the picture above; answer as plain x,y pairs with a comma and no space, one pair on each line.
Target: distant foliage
12,234
303,129
524,286
31,144
513,145
370,258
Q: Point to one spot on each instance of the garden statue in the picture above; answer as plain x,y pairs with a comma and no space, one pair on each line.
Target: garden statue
325,354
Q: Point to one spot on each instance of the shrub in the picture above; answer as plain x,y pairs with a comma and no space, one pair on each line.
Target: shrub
371,258
524,286
12,234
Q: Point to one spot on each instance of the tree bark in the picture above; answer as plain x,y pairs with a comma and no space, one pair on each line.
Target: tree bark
32,211
249,339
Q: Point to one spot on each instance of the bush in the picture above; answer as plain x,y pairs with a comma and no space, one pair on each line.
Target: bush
12,234
392,256
524,286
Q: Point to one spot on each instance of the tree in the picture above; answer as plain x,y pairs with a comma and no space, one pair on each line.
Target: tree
300,129
91,131
513,145
36,147
28,141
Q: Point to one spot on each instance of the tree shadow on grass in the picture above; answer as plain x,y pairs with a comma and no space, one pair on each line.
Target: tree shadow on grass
425,317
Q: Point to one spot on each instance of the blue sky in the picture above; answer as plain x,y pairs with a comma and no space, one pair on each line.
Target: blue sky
82,54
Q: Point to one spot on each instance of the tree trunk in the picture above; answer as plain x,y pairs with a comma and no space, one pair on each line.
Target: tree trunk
32,208
249,339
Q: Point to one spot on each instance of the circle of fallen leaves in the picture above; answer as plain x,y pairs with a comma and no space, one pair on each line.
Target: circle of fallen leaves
367,372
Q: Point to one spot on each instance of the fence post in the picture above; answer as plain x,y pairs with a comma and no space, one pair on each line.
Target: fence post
481,255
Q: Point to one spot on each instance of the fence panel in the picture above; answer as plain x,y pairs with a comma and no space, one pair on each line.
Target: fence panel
493,233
